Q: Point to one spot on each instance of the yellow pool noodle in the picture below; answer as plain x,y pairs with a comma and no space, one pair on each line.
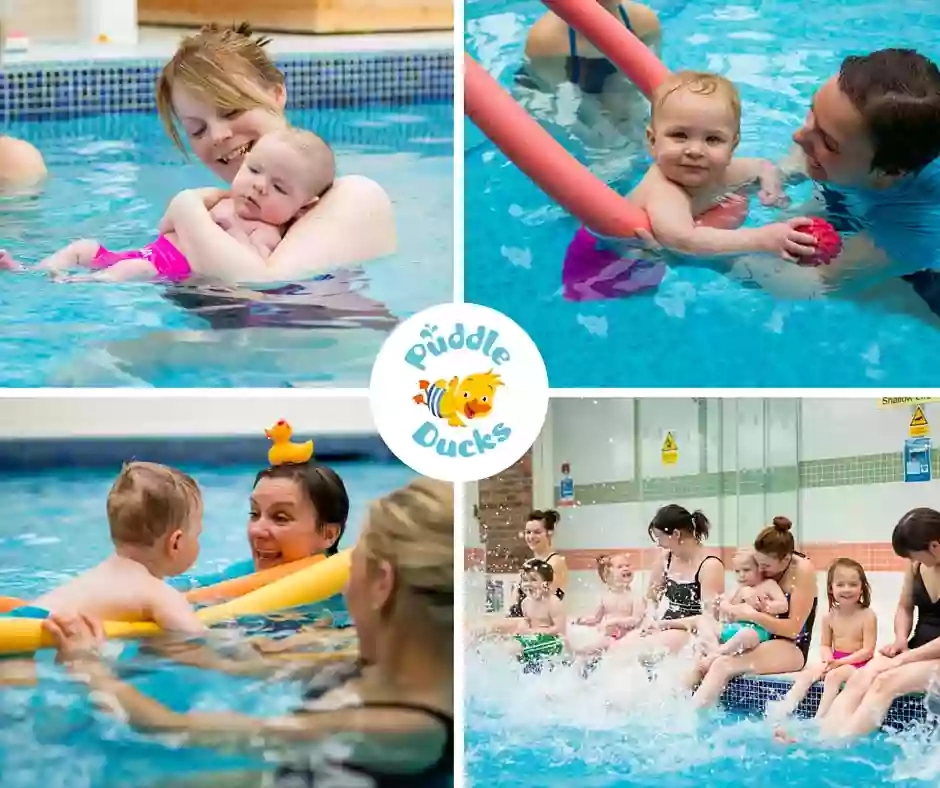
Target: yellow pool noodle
304,587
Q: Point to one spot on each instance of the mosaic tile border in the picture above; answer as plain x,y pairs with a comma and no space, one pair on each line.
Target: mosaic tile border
17,456
56,90
881,468
752,693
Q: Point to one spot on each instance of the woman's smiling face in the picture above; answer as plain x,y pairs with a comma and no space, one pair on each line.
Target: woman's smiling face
283,524
221,138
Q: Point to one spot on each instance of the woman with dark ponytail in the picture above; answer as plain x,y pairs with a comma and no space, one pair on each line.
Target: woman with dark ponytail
684,576
539,533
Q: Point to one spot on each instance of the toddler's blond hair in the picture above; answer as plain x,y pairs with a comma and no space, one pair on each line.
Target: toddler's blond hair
701,83
148,501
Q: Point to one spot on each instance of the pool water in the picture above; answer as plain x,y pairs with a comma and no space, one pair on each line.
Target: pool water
700,327
617,729
54,527
112,177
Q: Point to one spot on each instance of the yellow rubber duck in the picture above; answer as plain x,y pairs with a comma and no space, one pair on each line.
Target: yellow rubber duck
284,450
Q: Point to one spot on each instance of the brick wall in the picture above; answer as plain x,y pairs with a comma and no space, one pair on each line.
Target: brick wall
504,502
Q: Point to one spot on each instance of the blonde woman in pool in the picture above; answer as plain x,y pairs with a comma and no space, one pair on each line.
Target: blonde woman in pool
221,93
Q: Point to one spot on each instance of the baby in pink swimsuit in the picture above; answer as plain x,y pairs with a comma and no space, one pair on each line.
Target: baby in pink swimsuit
284,174
692,195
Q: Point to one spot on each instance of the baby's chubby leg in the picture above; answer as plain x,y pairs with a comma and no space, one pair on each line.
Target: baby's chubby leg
77,253
134,269
744,640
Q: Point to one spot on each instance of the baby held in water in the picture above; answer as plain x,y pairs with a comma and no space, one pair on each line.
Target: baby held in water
283,175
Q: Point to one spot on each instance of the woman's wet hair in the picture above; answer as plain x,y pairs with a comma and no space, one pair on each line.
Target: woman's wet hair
324,489
672,517
549,518
776,539
848,563
916,531
537,566
897,93
225,66
413,530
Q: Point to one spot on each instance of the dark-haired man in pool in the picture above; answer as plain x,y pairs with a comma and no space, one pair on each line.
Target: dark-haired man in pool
872,141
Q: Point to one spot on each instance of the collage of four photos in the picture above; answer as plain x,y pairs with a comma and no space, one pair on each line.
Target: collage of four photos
486,394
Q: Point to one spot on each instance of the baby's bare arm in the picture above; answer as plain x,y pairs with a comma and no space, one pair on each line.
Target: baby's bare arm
670,212
776,601
171,611
265,238
556,609
744,171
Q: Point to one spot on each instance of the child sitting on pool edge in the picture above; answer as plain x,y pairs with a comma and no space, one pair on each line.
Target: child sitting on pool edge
620,610
283,175
155,516
691,193
738,637
542,628
849,635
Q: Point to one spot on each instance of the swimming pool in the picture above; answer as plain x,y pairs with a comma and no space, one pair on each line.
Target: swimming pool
700,327
619,730
54,527
112,176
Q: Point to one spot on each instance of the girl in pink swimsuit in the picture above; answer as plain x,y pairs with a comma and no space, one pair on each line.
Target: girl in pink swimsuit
849,632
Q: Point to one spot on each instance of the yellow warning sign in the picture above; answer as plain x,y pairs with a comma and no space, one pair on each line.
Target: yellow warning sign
670,450
919,426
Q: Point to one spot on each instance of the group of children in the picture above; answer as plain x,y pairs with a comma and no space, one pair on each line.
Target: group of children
848,630
283,175
155,518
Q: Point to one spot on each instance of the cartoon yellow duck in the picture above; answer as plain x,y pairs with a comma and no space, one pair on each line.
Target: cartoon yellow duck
284,450
469,398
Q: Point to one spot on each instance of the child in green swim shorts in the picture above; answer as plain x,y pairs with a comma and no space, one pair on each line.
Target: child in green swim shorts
738,637
542,631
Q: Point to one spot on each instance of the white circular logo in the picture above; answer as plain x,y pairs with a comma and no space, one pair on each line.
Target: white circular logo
459,392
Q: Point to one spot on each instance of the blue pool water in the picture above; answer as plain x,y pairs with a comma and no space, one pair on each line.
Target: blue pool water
111,179
617,730
700,328
53,527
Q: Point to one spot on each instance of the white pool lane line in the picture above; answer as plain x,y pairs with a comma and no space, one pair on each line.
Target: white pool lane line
160,43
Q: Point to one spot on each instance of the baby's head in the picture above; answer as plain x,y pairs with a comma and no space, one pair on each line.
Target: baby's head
615,570
156,511
695,126
286,171
536,578
746,569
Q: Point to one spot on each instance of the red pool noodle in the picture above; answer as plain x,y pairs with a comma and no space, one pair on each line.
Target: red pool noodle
533,150
536,153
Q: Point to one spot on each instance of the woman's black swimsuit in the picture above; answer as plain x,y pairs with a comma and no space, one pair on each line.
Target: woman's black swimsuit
588,73
928,613
805,637
515,610
685,598
438,774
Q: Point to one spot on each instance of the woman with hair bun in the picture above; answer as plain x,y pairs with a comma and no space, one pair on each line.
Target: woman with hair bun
788,649
539,533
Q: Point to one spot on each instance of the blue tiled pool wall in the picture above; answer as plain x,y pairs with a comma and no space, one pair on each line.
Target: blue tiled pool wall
752,693
38,91
32,455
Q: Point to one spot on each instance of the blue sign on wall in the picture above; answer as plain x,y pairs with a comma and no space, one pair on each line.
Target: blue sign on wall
917,460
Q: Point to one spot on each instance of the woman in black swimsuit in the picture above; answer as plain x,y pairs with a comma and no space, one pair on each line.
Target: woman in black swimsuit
685,576
911,663
539,532
787,651
398,707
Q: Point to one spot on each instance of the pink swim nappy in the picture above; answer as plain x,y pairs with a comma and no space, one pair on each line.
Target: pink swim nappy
844,654
592,271
168,261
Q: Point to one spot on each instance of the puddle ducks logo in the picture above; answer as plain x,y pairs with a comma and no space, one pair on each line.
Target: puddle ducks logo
459,392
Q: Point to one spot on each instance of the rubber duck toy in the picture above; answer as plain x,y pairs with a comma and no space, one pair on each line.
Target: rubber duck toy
284,450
